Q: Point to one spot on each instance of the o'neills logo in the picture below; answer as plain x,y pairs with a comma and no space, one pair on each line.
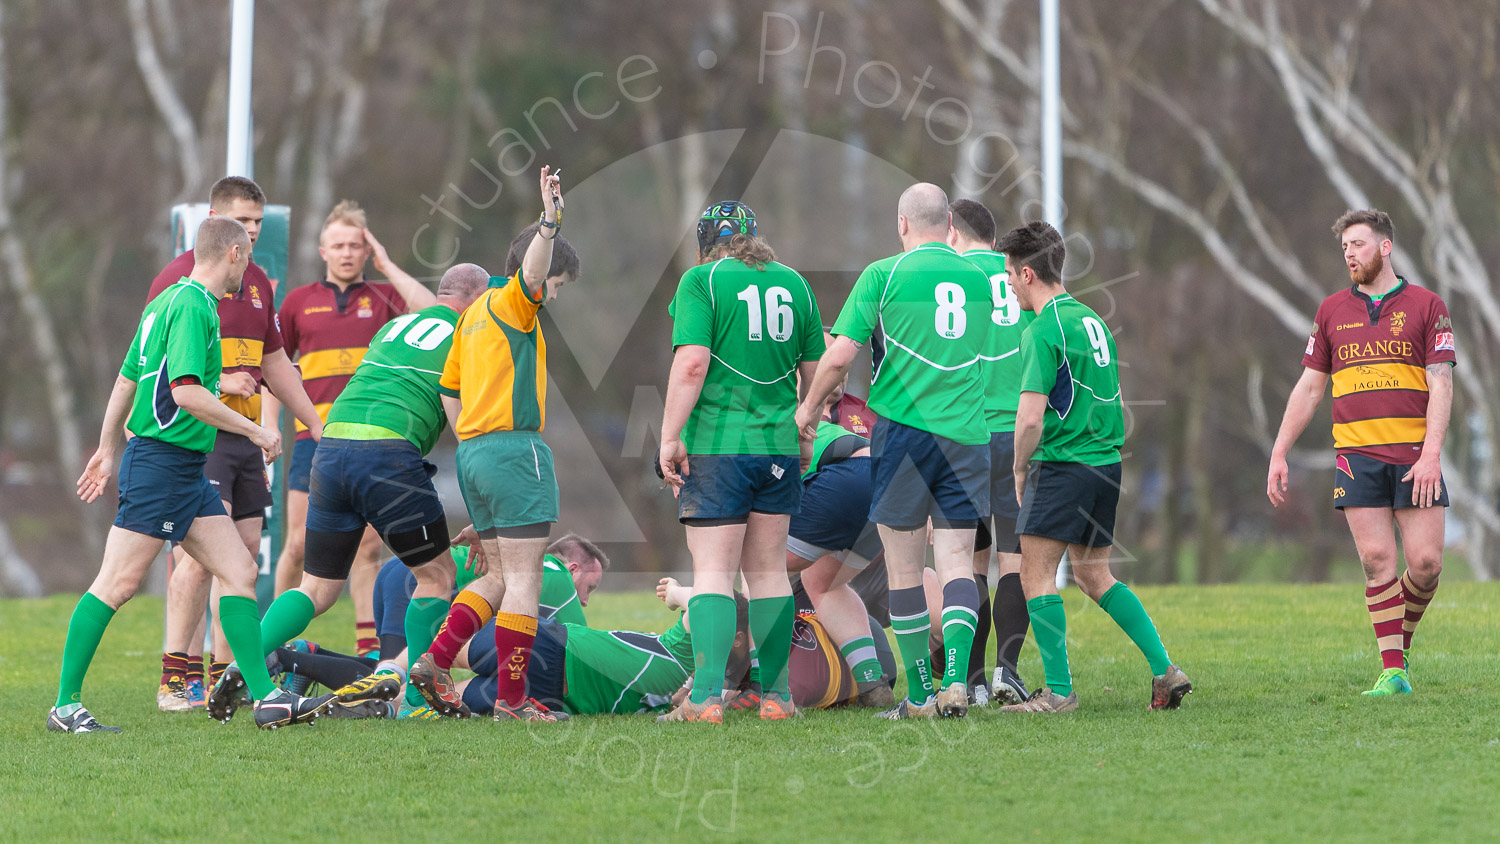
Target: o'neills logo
1379,349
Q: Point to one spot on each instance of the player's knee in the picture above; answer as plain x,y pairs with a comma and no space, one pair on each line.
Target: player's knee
324,593
1379,564
1425,567
113,591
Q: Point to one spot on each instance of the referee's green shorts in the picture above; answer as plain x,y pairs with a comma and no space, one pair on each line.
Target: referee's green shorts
507,480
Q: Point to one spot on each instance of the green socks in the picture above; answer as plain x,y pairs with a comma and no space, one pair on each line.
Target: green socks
85,630
960,616
423,618
1049,624
862,659
912,624
771,628
241,624
711,620
285,620
1126,609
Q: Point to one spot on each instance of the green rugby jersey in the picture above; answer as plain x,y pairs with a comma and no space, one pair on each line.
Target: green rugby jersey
828,433
396,385
1000,362
926,315
625,671
1068,355
758,324
559,597
178,338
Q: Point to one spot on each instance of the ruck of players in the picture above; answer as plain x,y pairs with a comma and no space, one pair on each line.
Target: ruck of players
991,441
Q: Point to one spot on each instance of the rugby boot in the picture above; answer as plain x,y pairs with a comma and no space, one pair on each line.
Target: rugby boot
79,722
1168,690
906,709
953,701
382,686
1045,700
284,708
437,688
710,711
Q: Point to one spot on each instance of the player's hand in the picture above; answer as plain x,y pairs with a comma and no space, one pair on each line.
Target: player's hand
316,430
478,564
269,442
808,418
551,191
240,384
96,475
673,461
381,258
1276,478
664,589
1020,478
1426,477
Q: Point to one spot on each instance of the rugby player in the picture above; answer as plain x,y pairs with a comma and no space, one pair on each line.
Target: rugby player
744,327
1070,425
494,387
369,469
973,235
591,672
830,541
1388,346
169,384
328,326
926,313
250,342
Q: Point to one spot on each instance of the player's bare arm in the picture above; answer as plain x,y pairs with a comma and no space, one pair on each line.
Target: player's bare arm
1300,408
283,380
1426,475
1030,415
101,465
453,407
689,369
415,293
538,258
206,407
829,375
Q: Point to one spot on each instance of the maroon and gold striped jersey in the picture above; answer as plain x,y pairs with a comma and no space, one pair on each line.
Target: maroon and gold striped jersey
1378,354
247,326
328,331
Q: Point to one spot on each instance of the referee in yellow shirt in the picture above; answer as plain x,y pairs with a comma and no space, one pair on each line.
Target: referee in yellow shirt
494,390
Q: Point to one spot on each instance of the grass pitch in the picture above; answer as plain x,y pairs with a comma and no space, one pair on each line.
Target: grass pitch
1276,743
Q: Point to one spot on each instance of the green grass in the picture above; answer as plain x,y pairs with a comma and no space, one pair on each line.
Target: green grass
1275,744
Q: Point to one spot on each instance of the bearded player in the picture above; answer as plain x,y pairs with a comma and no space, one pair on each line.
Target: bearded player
1388,346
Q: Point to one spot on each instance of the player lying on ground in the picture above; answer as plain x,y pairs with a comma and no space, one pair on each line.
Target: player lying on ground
169,384
1069,428
571,570
589,672
369,469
